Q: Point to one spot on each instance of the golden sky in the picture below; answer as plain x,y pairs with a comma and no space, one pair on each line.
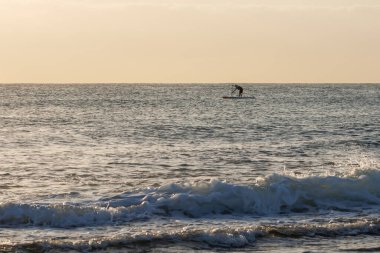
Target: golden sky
134,41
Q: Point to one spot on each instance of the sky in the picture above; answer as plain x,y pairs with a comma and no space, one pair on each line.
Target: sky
187,41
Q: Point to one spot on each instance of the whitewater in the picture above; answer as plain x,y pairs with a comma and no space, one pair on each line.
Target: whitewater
176,168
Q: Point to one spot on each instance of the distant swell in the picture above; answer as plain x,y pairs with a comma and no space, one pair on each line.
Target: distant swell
272,195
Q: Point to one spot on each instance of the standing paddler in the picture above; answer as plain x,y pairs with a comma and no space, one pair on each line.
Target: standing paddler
237,87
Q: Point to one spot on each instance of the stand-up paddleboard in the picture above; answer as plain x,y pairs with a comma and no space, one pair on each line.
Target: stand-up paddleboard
239,96
228,97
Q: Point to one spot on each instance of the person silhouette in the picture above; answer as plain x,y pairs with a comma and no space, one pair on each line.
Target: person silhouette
237,87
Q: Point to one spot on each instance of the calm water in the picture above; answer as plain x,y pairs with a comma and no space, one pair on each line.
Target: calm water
115,168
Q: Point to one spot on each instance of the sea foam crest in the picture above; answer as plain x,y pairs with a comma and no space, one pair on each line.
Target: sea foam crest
57,215
270,195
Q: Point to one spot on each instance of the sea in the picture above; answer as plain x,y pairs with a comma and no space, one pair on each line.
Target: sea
177,168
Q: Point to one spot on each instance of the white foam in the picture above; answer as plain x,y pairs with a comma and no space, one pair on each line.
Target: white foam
52,215
270,195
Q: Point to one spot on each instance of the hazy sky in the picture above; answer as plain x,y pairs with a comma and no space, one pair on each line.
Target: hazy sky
189,41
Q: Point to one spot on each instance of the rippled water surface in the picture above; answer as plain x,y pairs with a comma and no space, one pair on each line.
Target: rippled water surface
103,167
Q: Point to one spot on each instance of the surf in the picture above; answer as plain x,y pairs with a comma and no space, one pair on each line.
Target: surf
203,238
272,195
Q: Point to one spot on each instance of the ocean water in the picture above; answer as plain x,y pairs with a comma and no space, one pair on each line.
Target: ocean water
176,168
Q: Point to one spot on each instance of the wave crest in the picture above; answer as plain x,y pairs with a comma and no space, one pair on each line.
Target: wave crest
271,195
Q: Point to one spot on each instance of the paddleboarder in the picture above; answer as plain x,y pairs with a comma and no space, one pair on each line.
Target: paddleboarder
237,87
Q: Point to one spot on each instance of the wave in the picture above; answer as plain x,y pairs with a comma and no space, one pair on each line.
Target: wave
57,215
198,238
272,195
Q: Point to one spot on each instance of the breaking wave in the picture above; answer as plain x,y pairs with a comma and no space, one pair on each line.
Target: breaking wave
272,195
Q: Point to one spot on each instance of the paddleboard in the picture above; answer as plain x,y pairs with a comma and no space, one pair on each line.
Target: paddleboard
226,97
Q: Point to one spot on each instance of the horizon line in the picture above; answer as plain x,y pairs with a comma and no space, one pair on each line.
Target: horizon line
180,83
